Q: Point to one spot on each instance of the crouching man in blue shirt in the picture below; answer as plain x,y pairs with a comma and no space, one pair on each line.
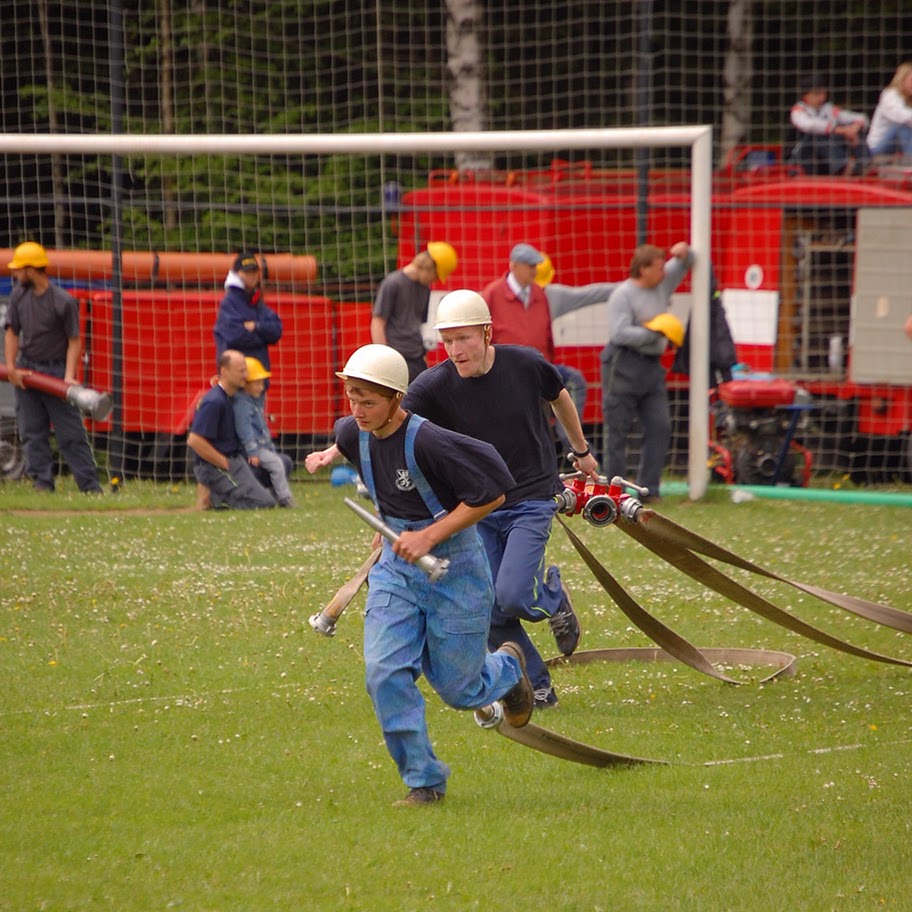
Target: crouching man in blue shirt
218,458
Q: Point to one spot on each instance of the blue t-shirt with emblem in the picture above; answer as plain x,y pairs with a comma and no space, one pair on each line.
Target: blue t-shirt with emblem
459,469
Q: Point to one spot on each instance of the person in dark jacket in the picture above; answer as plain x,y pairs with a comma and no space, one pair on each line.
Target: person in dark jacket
244,322
722,354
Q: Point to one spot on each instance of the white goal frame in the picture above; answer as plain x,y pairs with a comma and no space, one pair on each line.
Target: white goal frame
697,138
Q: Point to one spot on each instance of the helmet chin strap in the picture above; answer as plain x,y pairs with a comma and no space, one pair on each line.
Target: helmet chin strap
394,407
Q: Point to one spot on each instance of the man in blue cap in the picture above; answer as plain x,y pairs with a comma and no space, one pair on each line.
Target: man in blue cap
521,315
244,322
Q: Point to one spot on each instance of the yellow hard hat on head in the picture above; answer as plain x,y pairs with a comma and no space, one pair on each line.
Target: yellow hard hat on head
29,254
256,371
544,272
669,326
444,257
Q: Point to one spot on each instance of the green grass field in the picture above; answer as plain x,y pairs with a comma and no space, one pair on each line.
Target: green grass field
175,736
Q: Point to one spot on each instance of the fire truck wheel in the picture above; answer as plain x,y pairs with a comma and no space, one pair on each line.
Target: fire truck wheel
12,460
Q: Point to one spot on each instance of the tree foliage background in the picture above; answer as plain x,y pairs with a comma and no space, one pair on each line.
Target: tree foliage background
336,66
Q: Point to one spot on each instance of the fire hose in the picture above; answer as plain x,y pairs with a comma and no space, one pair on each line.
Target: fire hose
96,404
608,503
682,548
602,503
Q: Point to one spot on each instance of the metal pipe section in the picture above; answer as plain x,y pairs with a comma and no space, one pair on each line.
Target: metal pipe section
90,402
360,143
434,567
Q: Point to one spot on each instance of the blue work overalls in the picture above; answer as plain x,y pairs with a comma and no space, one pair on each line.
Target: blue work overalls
413,626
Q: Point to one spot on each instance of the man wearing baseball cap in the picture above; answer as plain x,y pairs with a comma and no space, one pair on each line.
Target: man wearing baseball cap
521,315
244,322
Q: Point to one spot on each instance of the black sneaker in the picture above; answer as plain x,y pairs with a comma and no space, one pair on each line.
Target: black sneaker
419,796
517,704
545,698
564,623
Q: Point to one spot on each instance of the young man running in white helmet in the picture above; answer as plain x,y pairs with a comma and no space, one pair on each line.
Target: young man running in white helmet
496,393
431,486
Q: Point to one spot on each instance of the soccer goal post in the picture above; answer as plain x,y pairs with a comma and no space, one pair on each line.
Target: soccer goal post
258,151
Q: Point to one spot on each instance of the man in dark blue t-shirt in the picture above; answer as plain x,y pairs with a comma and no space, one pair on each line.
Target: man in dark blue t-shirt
495,393
431,486
219,462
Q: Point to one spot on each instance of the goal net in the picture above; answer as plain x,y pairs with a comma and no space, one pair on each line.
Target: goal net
145,148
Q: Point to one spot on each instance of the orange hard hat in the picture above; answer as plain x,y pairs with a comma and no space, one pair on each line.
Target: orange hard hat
256,371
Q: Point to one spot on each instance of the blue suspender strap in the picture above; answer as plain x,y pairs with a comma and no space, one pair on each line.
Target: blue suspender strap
435,508
367,474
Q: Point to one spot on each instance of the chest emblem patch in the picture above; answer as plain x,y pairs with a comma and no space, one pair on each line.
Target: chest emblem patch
404,480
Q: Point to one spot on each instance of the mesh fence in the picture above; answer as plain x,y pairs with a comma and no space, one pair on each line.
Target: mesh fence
814,289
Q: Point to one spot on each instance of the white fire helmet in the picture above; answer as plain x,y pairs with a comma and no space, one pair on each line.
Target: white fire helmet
462,307
377,364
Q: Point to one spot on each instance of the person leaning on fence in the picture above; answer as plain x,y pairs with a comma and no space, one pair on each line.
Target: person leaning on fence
431,486
564,299
640,327
270,467
521,315
42,334
218,458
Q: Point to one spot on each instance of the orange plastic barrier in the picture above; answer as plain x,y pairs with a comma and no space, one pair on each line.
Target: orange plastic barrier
139,267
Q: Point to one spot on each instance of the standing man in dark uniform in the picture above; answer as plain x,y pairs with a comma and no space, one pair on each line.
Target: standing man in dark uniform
42,334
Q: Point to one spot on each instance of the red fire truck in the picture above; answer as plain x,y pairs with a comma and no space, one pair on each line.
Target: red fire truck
815,274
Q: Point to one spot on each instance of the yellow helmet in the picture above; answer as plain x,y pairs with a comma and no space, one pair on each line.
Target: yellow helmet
29,254
669,326
444,257
544,272
377,364
462,308
256,371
